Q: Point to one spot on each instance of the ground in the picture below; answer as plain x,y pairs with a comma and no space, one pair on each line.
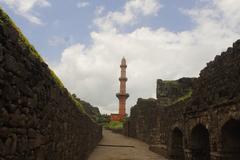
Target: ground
118,147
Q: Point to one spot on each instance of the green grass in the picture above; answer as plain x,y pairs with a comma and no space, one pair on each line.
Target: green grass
57,80
186,96
170,82
78,104
114,125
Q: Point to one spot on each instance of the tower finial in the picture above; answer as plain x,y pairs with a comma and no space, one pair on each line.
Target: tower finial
124,63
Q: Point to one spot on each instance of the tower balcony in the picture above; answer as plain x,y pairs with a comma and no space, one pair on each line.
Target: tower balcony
123,79
126,95
123,66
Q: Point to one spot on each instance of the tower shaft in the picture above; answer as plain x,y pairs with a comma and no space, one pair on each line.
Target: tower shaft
122,95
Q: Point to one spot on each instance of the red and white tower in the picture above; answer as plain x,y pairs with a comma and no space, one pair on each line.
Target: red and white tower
122,95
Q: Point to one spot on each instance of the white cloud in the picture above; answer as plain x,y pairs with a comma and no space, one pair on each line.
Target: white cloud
82,4
133,9
144,7
92,71
25,8
230,12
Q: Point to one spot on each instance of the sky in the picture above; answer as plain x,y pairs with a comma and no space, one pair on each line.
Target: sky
84,41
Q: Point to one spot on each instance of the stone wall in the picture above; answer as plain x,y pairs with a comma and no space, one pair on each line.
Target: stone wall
91,111
143,120
202,126
39,120
171,91
219,81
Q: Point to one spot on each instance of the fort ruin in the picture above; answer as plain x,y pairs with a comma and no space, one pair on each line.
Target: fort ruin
194,118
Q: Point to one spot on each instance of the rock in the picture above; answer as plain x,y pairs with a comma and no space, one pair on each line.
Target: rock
11,108
10,93
11,64
37,141
24,89
236,44
32,133
11,144
4,116
32,122
17,119
14,144
32,102
23,101
23,142
1,54
40,154
25,110
4,132
2,73
19,131
1,147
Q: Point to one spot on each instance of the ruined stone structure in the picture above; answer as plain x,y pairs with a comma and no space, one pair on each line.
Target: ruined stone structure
122,95
194,119
39,120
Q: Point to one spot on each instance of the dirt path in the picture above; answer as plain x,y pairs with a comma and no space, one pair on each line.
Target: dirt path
117,147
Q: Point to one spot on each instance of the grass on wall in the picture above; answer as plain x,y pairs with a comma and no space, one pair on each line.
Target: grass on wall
186,96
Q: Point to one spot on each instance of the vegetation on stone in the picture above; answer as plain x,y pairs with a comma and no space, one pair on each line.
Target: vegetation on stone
92,112
114,125
170,82
185,97
174,91
103,119
77,103
57,80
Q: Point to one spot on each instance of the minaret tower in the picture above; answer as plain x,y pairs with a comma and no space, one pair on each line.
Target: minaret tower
122,95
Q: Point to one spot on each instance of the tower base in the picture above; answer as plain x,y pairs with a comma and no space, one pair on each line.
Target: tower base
117,117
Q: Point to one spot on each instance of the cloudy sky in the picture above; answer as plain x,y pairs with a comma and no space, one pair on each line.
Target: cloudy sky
84,41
